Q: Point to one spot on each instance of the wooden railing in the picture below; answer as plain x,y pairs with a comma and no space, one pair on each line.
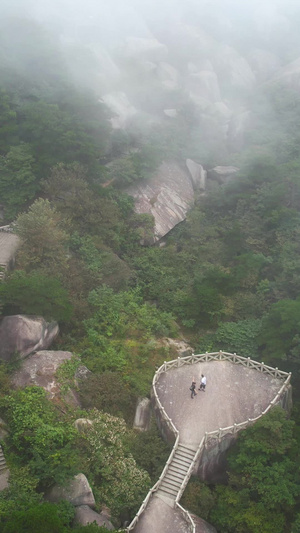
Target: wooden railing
209,436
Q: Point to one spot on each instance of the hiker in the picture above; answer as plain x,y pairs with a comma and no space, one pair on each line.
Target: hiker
193,389
202,383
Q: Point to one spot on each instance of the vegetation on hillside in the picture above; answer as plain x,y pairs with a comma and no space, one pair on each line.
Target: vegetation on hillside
228,278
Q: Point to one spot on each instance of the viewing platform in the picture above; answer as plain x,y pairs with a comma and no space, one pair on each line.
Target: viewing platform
239,391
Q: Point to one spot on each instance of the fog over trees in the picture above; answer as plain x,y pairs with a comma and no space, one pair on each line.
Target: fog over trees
150,165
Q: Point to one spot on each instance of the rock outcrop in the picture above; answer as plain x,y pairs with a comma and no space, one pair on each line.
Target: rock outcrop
142,414
78,492
84,515
39,369
25,334
122,109
198,175
168,196
222,174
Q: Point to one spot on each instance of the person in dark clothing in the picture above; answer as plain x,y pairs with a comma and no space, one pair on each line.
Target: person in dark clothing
193,389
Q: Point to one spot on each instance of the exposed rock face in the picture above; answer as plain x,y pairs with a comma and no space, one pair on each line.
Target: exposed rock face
142,414
236,130
198,175
83,424
24,335
222,174
182,348
205,85
78,492
39,369
167,75
119,104
84,515
289,76
264,64
137,48
167,196
233,68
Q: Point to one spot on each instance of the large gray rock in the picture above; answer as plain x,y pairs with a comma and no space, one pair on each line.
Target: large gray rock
142,416
167,75
78,492
198,175
39,369
121,108
222,174
233,69
237,129
25,334
168,196
139,49
84,515
264,64
288,76
83,424
204,85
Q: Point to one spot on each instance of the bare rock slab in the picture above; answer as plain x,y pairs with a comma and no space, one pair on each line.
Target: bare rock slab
84,515
167,196
39,369
78,492
142,414
25,334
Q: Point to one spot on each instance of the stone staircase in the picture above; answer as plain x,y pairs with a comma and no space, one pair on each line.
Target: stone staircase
176,472
3,466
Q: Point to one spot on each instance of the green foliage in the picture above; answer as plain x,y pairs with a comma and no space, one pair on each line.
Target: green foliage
43,239
120,483
280,330
263,478
37,435
198,498
239,337
123,313
35,294
30,521
107,392
18,183
150,451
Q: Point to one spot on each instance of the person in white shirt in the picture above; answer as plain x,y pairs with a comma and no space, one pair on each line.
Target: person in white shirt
202,383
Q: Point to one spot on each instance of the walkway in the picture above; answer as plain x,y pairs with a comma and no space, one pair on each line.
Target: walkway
234,393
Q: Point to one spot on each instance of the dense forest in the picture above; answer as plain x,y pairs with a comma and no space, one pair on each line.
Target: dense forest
228,278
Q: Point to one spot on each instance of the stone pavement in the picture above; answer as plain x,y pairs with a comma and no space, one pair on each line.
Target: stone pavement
233,394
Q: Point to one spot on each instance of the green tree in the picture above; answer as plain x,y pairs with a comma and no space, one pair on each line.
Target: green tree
18,183
280,330
120,483
43,239
35,294
264,478
39,437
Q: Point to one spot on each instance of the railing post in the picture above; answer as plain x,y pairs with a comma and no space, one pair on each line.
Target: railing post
178,361
234,357
220,353
165,366
248,361
206,356
262,366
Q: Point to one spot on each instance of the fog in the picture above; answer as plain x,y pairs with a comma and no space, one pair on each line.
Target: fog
150,59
